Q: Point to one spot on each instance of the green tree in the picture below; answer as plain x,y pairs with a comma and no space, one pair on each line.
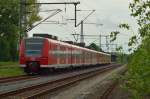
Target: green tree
9,26
93,46
32,15
138,78
4,50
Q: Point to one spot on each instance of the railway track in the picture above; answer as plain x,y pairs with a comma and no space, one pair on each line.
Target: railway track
41,89
16,78
109,90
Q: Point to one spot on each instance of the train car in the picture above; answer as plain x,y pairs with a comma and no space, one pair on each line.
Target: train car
39,53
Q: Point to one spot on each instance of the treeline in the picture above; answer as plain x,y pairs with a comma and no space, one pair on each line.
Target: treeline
137,80
95,47
9,27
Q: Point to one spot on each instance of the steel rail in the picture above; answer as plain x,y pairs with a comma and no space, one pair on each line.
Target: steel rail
109,90
16,78
40,89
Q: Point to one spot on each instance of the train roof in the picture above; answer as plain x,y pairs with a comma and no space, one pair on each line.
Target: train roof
67,44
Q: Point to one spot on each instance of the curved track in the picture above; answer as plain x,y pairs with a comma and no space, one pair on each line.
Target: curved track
109,90
16,78
40,89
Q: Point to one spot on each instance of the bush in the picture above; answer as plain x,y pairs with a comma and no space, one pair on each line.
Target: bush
4,50
8,50
138,77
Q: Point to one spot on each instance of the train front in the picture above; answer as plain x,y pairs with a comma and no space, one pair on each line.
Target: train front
33,54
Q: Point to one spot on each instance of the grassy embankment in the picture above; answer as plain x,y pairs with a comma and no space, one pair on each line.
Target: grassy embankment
8,69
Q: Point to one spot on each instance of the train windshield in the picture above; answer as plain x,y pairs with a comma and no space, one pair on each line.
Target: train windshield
33,46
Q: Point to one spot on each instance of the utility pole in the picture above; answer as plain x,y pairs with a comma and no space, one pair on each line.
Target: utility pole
75,14
100,38
112,47
106,39
23,18
107,43
82,36
82,23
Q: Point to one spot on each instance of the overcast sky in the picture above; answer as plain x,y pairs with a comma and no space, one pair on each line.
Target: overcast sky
110,13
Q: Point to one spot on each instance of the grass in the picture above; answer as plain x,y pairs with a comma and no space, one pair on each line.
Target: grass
8,63
8,69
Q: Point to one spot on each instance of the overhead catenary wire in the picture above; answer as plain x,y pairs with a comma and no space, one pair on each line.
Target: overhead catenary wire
86,17
48,10
53,14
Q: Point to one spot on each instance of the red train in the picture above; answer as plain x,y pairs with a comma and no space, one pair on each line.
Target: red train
39,53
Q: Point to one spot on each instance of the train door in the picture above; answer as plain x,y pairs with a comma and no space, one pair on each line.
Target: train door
93,58
53,54
66,54
83,55
80,57
69,56
75,57
58,54
61,57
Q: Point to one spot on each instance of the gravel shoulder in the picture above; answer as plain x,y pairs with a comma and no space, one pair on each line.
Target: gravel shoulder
119,93
91,88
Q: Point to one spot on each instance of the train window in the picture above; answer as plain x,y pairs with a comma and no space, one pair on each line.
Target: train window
33,46
33,52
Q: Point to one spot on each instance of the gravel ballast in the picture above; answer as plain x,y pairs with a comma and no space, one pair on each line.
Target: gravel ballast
91,88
